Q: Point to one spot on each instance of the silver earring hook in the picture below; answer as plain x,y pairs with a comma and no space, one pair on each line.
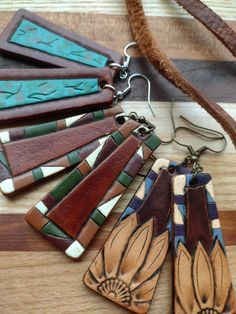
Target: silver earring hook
124,67
119,95
128,88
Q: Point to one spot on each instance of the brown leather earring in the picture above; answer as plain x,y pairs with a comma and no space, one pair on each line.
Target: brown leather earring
70,215
201,277
128,267
31,154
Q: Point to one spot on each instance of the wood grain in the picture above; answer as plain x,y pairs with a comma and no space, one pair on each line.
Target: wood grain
48,282
36,279
227,9
179,38
31,241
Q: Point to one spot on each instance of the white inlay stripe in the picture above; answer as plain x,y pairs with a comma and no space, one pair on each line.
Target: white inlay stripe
7,186
93,156
41,207
107,207
75,250
160,163
215,223
5,137
47,171
178,219
69,121
179,184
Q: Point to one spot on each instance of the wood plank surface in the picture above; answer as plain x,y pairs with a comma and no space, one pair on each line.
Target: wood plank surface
35,278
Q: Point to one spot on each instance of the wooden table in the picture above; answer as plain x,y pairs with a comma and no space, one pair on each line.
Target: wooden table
34,277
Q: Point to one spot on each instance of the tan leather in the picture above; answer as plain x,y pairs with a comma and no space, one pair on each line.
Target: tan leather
151,50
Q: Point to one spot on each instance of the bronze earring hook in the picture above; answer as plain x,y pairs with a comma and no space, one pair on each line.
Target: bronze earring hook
194,155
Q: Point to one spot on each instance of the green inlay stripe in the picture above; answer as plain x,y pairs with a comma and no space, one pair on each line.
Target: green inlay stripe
3,160
118,138
153,142
52,229
41,129
66,185
125,179
98,115
98,217
38,174
74,158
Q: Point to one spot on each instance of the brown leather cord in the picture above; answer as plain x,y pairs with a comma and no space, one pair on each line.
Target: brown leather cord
150,49
212,21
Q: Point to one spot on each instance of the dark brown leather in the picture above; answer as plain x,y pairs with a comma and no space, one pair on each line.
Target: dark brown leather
151,50
158,204
198,226
88,194
212,21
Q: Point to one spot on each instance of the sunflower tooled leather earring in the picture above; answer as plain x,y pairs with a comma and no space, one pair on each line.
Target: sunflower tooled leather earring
201,277
128,267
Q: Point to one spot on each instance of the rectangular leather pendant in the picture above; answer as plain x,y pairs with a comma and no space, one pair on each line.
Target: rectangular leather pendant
30,36
36,93
73,211
127,269
202,281
30,154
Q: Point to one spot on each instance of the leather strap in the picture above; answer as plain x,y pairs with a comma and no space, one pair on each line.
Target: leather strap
212,21
151,50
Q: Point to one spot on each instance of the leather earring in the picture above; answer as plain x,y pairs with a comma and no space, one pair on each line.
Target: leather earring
127,268
71,214
29,155
30,36
201,277
34,93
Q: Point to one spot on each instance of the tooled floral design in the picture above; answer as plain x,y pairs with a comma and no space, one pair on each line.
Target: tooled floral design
205,287
127,269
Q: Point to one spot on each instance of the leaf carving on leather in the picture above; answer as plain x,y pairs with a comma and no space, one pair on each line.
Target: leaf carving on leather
205,287
146,290
203,278
221,276
183,280
97,268
116,244
129,248
136,252
154,260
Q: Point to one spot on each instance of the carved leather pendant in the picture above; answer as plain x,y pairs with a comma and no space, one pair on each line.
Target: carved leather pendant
202,282
29,35
28,155
71,214
46,92
127,269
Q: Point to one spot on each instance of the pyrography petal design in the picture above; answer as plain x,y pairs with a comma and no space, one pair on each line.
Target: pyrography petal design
116,244
203,278
222,277
134,255
154,260
136,252
183,284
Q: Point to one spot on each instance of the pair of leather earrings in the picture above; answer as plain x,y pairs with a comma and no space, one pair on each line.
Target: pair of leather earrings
71,213
31,154
39,93
174,205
